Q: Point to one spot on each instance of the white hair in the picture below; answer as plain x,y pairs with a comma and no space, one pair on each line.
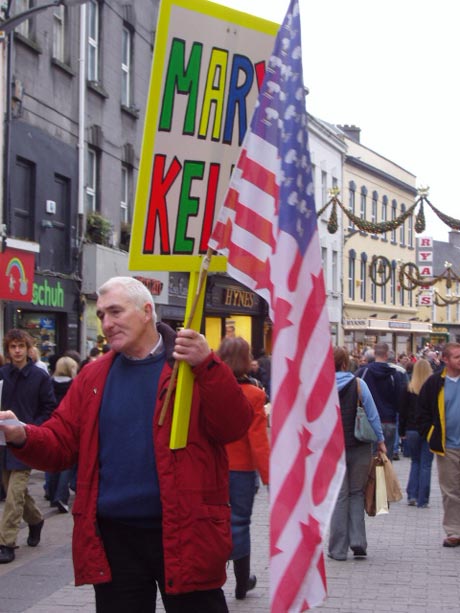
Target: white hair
134,289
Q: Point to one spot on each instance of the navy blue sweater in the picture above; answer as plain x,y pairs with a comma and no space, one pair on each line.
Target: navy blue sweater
128,486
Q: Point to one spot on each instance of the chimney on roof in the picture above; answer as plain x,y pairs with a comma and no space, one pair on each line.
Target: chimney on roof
353,132
454,238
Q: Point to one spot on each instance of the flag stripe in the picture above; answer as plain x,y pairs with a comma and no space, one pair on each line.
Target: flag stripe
267,229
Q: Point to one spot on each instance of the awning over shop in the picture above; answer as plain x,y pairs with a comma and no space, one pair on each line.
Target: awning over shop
390,325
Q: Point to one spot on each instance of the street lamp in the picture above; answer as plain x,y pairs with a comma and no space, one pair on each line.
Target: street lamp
12,22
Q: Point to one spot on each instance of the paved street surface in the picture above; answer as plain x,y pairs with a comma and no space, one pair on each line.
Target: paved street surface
406,570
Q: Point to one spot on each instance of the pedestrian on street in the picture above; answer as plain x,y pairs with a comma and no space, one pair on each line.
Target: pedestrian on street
439,422
27,390
247,457
386,385
419,482
348,529
147,517
59,482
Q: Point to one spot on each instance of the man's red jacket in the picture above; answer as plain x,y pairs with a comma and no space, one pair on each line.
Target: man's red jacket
193,481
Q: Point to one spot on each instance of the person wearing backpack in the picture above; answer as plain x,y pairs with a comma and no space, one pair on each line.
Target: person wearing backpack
347,529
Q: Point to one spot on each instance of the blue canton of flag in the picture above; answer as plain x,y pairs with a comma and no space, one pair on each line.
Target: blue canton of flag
281,119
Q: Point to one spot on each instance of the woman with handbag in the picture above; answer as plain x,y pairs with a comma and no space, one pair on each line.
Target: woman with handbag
347,529
421,458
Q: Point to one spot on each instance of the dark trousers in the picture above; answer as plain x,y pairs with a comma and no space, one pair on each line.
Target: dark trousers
135,556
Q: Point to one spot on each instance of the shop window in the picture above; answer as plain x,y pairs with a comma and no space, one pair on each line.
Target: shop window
42,328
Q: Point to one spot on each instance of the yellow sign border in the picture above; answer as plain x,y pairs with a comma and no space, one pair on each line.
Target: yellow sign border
175,263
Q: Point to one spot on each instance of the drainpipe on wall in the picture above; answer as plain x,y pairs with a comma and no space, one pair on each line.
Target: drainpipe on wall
81,158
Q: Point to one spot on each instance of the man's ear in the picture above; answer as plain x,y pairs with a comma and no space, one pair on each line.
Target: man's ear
148,310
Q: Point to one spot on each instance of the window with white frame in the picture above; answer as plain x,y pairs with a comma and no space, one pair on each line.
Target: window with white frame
351,274
373,292
393,283
59,33
374,206
410,231
324,197
351,203
362,279
335,271
383,293
363,207
324,263
91,180
402,228
93,41
20,6
384,214
402,295
393,218
126,42
124,201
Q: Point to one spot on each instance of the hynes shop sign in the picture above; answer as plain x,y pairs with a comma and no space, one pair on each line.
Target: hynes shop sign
48,294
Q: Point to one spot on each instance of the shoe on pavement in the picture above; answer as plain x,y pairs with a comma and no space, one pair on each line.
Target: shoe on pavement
329,555
35,531
451,541
61,506
6,554
359,552
240,594
412,502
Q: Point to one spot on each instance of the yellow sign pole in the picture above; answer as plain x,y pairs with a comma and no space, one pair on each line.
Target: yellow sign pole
184,389
182,371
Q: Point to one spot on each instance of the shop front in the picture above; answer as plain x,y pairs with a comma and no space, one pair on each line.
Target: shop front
52,315
231,309
401,336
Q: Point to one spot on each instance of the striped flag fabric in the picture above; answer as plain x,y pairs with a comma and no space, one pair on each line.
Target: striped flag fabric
268,231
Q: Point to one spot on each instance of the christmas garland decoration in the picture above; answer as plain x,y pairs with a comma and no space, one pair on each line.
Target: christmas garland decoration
380,266
442,301
405,273
416,280
449,221
386,226
383,269
362,224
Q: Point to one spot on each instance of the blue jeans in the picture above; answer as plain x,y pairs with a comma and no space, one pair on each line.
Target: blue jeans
389,434
418,485
242,492
58,485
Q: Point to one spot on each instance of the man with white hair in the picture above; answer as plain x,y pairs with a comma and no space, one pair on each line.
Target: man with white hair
146,516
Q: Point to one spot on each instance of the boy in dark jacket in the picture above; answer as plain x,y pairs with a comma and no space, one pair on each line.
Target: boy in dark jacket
26,390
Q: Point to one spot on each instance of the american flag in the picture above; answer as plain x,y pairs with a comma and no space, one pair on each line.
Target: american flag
267,229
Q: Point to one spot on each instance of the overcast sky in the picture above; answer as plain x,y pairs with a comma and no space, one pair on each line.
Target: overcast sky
391,68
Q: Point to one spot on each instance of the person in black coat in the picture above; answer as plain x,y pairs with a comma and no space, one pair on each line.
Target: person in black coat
26,390
59,483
